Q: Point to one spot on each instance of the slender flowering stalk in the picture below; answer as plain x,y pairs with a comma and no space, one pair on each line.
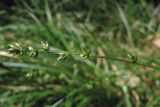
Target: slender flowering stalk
127,61
18,49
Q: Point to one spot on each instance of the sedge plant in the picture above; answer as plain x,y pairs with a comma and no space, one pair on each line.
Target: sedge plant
19,49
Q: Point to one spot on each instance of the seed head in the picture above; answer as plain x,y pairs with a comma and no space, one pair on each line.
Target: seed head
63,55
33,52
86,53
132,57
16,49
45,46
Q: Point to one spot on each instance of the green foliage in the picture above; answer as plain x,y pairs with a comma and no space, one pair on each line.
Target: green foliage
101,74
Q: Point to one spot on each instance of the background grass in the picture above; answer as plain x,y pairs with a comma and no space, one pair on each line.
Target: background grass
108,28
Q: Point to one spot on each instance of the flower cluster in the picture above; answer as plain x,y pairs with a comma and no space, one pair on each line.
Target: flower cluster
16,49
19,49
45,46
63,55
86,52
132,57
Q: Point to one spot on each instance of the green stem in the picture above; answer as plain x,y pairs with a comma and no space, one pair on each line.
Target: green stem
114,59
126,61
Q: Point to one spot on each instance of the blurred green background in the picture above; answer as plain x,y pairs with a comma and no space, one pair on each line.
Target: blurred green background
108,27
